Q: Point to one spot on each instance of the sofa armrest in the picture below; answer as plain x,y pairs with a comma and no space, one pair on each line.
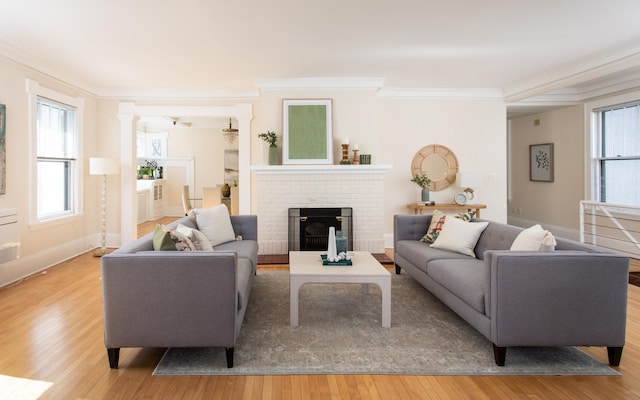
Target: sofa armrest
245,226
169,298
410,227
557,298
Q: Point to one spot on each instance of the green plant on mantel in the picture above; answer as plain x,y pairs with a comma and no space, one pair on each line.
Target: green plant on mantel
421,180
269,137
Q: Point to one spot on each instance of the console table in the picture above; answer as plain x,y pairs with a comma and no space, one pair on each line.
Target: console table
419,208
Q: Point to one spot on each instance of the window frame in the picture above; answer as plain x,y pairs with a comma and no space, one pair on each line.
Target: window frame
35,92
593,178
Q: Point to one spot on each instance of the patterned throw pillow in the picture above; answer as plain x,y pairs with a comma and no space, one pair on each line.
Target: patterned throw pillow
181,241
165,239
199,240
437,221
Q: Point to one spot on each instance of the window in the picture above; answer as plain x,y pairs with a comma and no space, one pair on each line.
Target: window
55,151
617,161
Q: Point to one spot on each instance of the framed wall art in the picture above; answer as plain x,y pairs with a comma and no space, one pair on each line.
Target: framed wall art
541,162
307,131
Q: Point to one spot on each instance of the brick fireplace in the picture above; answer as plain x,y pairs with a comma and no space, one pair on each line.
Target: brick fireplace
279,188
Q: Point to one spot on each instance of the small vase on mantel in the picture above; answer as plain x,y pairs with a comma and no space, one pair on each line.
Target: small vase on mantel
425,195
273,155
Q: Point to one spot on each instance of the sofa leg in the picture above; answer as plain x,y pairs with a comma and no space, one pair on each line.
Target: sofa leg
500,354
397,269
229,351
615,354
114,357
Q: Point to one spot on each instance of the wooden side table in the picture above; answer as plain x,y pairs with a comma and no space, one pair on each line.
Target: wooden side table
419,208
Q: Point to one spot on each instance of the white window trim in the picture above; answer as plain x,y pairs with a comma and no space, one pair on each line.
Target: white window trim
592,192
35,90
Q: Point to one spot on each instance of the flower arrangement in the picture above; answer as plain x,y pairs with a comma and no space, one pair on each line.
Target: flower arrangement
269,137
421,180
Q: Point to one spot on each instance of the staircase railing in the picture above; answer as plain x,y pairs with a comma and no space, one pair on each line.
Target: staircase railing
612,226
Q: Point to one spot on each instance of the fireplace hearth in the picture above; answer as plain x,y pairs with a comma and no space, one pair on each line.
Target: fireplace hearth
309,227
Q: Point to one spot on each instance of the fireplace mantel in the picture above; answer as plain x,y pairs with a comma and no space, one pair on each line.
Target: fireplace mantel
280,187
320,169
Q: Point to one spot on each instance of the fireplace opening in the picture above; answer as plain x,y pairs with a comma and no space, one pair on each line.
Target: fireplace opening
309,227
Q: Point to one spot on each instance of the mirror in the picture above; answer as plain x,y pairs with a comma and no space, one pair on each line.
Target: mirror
439,163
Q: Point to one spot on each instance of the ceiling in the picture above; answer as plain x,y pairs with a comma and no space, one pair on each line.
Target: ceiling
531,53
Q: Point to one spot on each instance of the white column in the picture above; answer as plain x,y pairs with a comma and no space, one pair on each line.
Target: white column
128,192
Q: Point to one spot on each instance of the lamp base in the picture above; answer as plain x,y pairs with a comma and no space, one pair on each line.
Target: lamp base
99,252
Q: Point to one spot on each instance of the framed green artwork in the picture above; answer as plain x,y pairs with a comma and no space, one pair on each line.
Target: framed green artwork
307,134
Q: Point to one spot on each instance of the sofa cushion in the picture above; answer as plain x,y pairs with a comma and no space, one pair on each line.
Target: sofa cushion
437,221
162,240
215,223
181,241
420,254
459,236
167,239
199,240
247,249
534,239
464,278
497,236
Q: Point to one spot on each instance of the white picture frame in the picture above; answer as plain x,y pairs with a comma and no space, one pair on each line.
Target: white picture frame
307,131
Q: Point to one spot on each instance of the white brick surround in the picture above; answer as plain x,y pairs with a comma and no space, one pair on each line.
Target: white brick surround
281,187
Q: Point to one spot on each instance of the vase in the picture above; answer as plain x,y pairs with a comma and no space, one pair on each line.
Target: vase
425,195
226,190
273,155
341,242
332,252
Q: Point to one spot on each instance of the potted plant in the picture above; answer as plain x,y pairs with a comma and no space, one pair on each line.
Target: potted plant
270,137
423,181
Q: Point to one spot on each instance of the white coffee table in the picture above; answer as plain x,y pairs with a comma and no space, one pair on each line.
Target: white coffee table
306,267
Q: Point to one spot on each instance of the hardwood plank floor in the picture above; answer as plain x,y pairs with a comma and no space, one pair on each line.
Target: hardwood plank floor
51,332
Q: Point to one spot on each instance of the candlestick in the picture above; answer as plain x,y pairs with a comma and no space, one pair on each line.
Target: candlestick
345,154
345,141
356,157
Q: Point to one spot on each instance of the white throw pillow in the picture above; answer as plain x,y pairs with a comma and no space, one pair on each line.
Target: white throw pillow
459,236
534,239
198,238
215,223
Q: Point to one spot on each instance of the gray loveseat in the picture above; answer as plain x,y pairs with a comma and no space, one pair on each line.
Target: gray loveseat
573,296
176,298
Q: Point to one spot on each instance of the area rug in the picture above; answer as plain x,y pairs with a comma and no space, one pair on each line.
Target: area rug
340,332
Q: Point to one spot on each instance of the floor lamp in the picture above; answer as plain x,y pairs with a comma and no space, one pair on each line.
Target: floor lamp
104,167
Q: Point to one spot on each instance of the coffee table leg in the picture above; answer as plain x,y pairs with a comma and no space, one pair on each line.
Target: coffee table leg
294,290
385,288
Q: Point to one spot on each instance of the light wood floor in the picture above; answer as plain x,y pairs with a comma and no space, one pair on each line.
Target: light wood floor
51,334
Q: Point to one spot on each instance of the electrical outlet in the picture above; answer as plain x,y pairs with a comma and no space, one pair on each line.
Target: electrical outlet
492,177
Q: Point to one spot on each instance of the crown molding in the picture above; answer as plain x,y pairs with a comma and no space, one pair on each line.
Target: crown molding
319,83
575,73
164,94
441,93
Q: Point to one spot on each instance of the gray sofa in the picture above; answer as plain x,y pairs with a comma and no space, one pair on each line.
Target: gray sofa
176,298
574,296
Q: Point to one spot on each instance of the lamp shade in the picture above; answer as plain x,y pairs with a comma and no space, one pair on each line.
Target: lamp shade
469,180
104,166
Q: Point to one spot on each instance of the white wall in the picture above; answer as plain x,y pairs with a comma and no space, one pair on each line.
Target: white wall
553,204
474,130
393,130
44,247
